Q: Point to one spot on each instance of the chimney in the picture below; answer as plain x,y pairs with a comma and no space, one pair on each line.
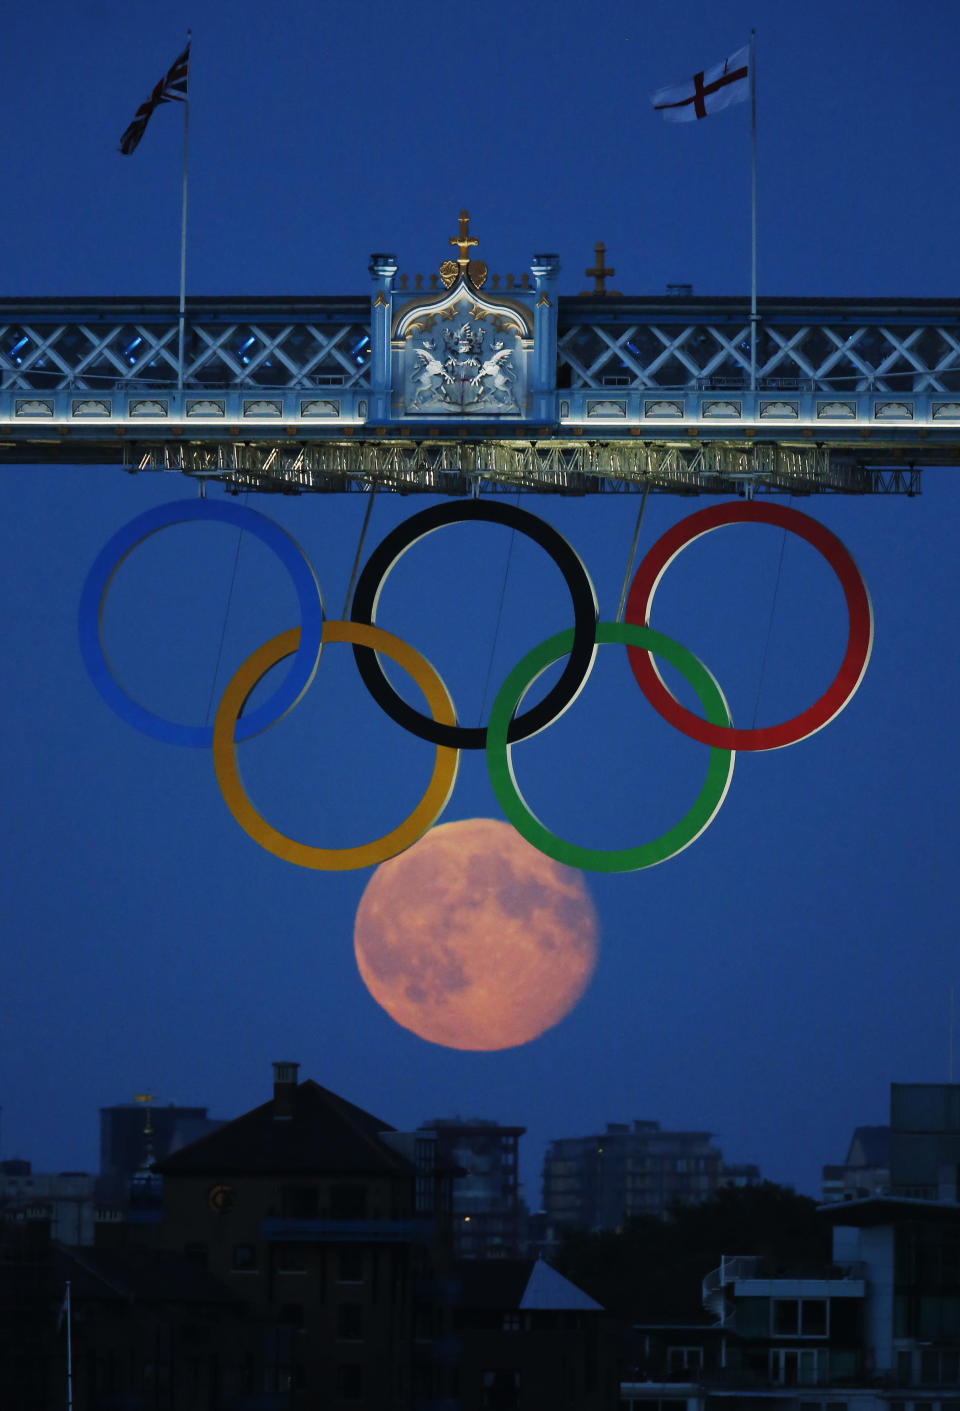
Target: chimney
284,1090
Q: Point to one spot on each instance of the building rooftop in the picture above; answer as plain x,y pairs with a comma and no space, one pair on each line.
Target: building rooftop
322,1134
519,1284
888,1209
869,1146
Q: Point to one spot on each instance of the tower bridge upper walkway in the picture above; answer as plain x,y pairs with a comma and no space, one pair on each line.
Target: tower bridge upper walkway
453,385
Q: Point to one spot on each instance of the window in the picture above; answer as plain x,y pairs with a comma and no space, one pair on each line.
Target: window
291,1258
245,1257
786,1317
501,1390
349,1381
799,1317
350,1322
939,1368
795,1366
299,1202
511,1322
685,1359
348,1203
753,1317
350,1266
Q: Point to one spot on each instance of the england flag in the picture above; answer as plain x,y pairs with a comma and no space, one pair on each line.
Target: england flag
709,91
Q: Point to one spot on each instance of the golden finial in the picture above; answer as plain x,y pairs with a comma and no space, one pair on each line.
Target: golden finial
599,274
474,270
464,240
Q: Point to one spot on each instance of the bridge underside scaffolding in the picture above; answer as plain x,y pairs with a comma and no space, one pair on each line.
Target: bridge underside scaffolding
550,466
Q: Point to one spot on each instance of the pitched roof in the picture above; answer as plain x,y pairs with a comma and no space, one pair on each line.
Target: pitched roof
870,1146
548,1289
146,1275
327,1135
511,1284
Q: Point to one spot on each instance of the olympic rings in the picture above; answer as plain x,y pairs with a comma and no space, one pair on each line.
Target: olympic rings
859,640
506,726
582,651
97,585
425,814
630,859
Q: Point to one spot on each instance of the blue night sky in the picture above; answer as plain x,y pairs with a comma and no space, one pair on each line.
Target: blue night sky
766,985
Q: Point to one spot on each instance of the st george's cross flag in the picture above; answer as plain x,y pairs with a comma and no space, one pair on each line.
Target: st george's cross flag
172,88
710,91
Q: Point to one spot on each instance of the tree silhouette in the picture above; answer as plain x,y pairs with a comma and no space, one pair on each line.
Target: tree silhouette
652,1269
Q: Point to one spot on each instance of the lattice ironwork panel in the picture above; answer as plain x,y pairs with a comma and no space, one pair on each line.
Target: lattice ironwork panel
821,357
91,357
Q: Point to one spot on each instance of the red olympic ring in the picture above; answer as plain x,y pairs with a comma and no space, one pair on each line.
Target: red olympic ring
859,640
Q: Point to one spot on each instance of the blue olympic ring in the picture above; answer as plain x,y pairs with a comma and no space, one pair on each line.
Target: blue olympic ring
97,585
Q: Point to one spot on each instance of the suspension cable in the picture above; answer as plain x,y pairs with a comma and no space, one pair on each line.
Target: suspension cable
496,630
226,611
766,645
633,553
356,557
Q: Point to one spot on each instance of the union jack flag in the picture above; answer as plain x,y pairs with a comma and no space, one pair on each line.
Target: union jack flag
172,88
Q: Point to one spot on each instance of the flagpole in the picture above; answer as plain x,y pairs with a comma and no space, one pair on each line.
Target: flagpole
753,210
183,236
69,1352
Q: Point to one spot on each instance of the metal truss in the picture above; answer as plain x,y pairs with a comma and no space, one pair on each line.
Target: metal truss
84,356
816,357
550,466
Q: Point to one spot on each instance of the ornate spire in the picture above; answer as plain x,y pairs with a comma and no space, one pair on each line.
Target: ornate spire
463,267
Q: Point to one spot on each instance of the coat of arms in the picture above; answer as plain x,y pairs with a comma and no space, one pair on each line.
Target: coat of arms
463,373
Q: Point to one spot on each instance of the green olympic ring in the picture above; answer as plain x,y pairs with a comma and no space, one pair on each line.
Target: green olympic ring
507,790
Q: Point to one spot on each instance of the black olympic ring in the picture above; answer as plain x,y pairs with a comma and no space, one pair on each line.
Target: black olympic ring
585,613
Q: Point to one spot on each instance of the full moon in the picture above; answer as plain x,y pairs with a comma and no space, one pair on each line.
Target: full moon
474,939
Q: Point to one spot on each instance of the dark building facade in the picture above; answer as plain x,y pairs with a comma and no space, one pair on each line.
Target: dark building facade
597,1182
298,1257
486,1193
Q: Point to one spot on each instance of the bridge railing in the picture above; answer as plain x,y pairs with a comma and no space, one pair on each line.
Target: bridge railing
889,347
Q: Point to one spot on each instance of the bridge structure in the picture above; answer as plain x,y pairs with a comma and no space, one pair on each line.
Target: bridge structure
459,383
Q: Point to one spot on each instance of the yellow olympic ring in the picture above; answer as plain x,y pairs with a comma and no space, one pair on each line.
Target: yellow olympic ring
427,811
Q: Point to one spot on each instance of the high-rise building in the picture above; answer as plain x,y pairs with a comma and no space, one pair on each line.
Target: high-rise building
486,1195
925,1140
597,1182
